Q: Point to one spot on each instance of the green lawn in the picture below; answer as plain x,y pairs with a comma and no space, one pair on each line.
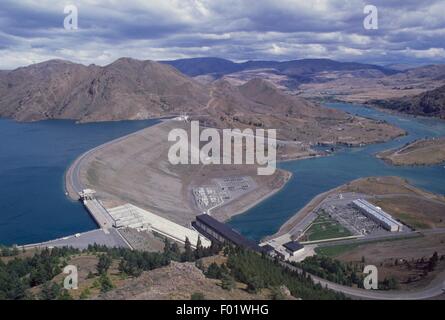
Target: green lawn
326,228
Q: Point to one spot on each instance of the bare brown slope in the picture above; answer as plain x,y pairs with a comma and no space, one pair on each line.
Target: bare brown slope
259,104
130,89
125,89
365,88
430,103
434,72
36,92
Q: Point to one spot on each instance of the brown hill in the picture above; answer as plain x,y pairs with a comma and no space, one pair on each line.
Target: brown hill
430,103
259,104
130,89
434,72
125,89
177,281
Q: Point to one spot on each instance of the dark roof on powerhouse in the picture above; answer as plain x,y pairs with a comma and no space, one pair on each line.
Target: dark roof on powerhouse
293,246
227,232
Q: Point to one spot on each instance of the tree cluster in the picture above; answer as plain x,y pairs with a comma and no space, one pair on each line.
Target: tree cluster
259,272
347,274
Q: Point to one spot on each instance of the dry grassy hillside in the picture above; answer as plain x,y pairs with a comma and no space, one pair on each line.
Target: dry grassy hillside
124,90
259,104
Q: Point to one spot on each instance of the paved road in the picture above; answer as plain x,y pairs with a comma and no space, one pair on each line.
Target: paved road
432,231
372,238
385,237
436,288
433,290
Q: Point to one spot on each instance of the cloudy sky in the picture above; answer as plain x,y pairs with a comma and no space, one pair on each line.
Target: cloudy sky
410,31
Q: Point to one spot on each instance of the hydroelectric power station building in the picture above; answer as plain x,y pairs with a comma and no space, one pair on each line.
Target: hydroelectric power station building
378,215
214,230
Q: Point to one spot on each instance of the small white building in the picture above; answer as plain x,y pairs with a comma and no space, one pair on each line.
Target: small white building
182,117
87,194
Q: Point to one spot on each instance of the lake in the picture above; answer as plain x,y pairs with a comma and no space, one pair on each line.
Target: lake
33,160
34,157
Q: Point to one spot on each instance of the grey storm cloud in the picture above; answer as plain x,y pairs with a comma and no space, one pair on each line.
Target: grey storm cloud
409,31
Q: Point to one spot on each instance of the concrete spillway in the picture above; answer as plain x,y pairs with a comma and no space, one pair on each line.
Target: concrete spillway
133,217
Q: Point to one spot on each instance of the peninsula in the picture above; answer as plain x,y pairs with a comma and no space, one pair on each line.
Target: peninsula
420,152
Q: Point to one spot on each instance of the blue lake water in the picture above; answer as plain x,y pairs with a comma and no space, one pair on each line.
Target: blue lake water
314,176
33,160
34,157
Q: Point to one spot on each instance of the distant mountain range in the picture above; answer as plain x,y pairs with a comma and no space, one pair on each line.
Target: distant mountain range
290,75
129,88
296,68
135,89
434,72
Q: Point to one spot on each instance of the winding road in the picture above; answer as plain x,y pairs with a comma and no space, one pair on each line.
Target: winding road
436,288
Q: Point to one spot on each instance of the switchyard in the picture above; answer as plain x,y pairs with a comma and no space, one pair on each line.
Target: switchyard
221,191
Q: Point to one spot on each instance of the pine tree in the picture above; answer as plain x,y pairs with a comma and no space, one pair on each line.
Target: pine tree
105,283
188,254
175,251
167,247
214,271
199,252
104,263
432,262
254,284
227,282
50,291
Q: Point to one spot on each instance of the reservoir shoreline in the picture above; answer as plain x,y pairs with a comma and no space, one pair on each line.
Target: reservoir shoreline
235,211
78,176
34,159
286,165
